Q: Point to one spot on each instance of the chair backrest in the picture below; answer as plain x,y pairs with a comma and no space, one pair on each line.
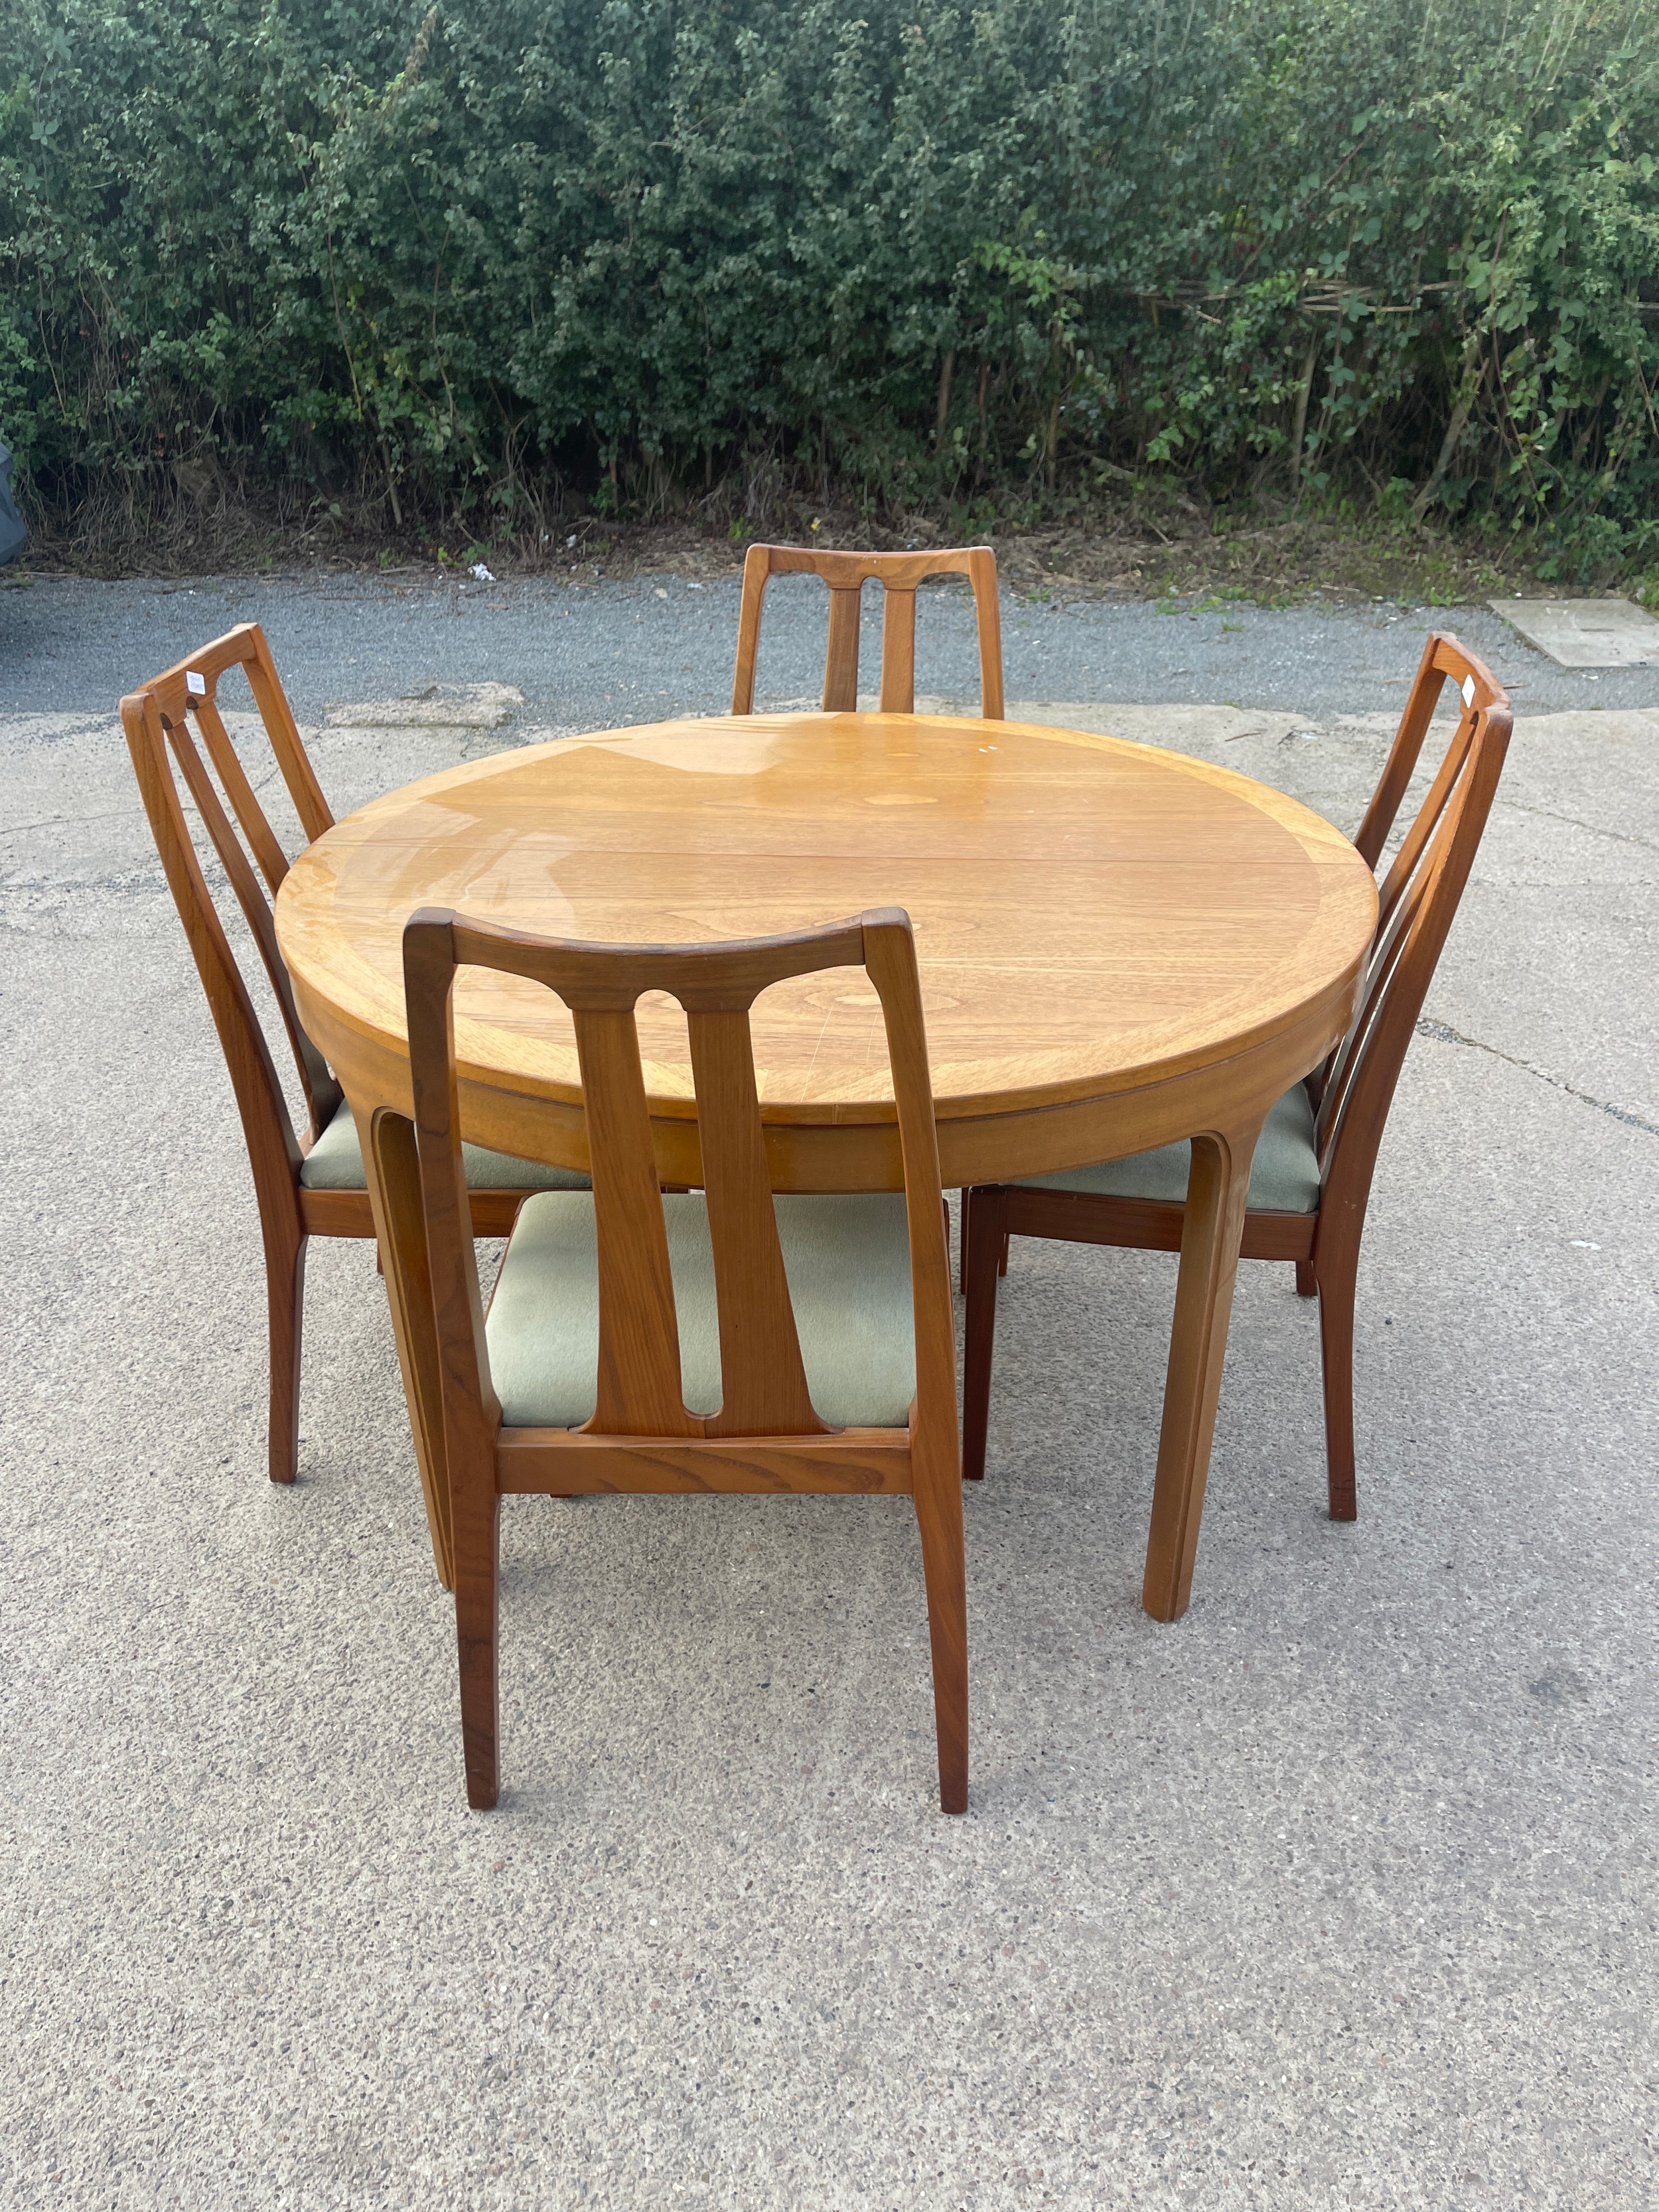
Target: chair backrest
847,574
1444,661
764,1390
1418,900
174,731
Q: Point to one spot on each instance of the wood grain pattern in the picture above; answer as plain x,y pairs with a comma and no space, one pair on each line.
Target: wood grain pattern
765,1380
1093,918
1352,1093
855,1462
846,574
766,1437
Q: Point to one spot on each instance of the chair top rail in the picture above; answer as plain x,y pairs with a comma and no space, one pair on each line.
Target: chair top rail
704,978
848,571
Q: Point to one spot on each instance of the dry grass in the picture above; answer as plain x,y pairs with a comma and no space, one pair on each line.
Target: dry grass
1159,544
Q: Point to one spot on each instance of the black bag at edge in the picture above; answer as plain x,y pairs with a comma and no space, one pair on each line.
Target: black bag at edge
13,531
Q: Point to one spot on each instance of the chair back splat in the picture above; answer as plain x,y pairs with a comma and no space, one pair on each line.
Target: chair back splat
766,1435
1418,902
175,732
846,574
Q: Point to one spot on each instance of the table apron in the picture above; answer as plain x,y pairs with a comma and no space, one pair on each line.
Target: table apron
995,1146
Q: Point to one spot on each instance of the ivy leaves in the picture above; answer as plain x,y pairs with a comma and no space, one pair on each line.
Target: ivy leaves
462,251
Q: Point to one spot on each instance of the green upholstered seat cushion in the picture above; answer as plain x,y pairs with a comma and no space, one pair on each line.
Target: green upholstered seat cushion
847,1260
1284,1176
334,1162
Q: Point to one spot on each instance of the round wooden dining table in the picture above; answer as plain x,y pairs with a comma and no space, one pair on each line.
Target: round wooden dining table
1118,947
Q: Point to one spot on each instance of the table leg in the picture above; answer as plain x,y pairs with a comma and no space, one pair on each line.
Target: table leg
1217,1189
393,1175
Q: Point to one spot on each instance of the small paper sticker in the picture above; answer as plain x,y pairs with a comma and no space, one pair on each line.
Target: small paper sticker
196,684
1468,690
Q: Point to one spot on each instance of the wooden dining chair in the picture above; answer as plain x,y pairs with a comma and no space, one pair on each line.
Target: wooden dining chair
1312,1176
311,1189
705,1344
847,574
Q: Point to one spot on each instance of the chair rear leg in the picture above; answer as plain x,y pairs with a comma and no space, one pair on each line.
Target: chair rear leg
984,1236
285,1293
1337,1279
477,1638
938,1502
1307,1283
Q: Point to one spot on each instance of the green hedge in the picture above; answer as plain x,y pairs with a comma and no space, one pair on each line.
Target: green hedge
488,256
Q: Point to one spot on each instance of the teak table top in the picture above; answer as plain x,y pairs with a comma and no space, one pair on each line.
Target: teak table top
1093,919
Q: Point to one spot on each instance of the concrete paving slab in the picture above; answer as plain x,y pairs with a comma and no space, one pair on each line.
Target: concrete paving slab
435,707
1586,633
1341,1892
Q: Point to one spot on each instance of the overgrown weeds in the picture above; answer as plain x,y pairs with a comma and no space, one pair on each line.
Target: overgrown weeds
1163,542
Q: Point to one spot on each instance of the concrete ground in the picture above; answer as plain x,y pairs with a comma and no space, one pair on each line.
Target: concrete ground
1341,1892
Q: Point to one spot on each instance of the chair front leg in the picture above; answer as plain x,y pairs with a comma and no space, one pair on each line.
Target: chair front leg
477,1527
985,1237
938,1500
393,1175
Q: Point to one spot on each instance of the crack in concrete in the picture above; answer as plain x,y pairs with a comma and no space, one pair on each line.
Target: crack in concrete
60,821
1592,828
1442,1033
